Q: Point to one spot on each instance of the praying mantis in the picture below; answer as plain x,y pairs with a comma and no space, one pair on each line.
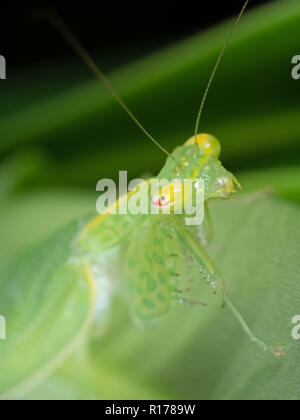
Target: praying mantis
155,254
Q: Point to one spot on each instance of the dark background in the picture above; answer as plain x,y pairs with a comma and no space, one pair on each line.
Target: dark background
120,30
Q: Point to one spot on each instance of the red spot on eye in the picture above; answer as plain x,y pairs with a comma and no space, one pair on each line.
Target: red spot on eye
160,202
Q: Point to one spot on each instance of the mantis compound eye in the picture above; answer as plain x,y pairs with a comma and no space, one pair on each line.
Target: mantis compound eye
210,145
171,195
177,195
161,201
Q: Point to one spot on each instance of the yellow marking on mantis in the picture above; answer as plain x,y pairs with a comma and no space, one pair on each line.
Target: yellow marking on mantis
90,282
184,161
209,144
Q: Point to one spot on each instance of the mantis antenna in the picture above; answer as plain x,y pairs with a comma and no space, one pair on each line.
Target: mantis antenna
237,21
67,34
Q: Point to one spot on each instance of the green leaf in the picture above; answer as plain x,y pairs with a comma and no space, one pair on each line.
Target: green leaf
17,170
48,311
284,181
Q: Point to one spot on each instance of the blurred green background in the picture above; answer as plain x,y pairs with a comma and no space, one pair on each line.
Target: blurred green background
61,132
59,137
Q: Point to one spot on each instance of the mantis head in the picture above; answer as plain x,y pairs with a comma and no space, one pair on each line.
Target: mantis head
197,160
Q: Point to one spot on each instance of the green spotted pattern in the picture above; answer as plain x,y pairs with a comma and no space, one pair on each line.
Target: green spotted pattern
164,271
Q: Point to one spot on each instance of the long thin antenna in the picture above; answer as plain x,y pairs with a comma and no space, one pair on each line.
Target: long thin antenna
217,66
66,33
